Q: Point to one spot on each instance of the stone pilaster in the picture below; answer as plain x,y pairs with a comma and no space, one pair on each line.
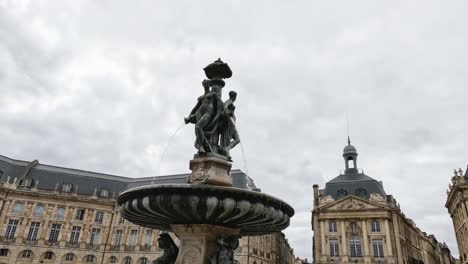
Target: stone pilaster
396,231
344,243
388,240
365,240
323,242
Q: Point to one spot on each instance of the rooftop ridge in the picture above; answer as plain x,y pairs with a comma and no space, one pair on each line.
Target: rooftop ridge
72,171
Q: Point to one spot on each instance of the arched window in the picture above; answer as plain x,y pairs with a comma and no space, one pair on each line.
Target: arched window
127,260
49,255
26,254
89,259
143,261
112,260
355,246
4,252
354,242
69,257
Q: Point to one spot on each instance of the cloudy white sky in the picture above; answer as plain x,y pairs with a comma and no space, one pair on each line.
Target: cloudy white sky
101,85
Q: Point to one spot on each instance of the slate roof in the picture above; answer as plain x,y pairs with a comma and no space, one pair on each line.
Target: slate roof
352,184
50,177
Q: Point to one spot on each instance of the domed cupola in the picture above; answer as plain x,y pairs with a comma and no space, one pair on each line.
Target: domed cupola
353,181
350,156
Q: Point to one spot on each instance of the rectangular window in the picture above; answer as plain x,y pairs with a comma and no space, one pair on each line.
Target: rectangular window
355,247
4,252
39,210
11,229
378,248
148,237
375,226
133,237
332,227
80,213
75,235
18,208
54,232
95,234
99,217
334,248
60,214
118,237
33,230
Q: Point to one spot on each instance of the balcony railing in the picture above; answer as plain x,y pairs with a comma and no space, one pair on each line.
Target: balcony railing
145,248
130,248
93,246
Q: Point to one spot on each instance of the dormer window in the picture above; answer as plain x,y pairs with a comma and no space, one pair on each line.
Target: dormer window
360,192
341,193
104,193
67,187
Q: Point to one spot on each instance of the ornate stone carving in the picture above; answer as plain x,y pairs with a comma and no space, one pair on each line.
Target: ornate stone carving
376,197
351,205
191,256
326,200
210,170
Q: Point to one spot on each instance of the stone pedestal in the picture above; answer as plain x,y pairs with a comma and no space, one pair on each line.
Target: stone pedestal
198,243
210,170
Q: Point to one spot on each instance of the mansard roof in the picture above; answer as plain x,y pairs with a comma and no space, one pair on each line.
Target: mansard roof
49,177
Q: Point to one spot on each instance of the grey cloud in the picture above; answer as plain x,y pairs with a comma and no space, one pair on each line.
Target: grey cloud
102,86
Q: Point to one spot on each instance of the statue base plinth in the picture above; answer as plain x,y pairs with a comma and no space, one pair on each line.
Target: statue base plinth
210,170
199,243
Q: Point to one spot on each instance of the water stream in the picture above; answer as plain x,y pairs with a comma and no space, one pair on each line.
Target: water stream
168,144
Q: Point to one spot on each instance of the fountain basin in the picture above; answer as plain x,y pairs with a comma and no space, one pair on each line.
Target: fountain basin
163,206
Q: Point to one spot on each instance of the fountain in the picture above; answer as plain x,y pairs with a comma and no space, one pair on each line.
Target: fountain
207,214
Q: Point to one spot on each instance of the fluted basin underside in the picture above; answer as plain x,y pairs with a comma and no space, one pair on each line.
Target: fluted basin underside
160,206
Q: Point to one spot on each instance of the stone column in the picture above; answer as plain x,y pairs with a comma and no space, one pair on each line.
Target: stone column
344,243
198,243
365,240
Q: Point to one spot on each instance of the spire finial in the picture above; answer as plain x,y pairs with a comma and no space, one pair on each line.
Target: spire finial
349,141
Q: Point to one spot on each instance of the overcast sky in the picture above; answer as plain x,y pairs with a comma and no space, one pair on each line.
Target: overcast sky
102,85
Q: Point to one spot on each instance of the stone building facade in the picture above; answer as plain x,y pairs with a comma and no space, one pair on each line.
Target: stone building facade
457,205
355,221
50,214
267,249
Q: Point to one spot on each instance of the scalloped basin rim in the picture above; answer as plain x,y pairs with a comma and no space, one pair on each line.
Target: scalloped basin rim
139,191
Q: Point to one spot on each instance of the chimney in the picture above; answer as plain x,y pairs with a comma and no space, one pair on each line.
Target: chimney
316,194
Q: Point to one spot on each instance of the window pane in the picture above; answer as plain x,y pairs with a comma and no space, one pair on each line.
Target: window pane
33,229
18,208
11,229
60,214
39,211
